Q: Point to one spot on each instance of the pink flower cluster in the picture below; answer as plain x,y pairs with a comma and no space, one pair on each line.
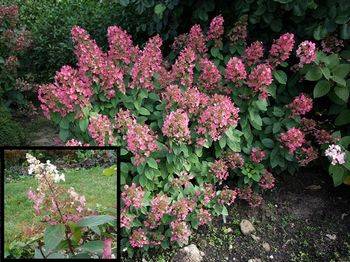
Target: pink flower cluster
125,219
204,217
123,120
335,154
196,40
235,70
100,129
301,105
220,114
260,78
234,160
216,29
220,169
227,196
292,139
107,249
182,208
180,232
176,126
257,155
160,205
281,49
147,64
182,70
306,52
210,75
138,238
141,141
254,53
267,181
71,91
132,196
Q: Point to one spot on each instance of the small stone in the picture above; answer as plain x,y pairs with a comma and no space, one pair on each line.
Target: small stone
331,236
188,254
230,247
254,260
266,247
246,227
256,238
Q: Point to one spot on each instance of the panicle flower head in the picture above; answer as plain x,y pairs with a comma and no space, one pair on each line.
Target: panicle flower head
123,120
172,95
260,78
194,101
179,42
138,238
227,196
235,70
11,63
220,114
254,53
209,193
160,205
219,169
281,49
107,249
121,48
125,219
182,208
292,139
100,129
267,181
176,126
301,105
133,195
9,13
196,40
204,217
332,44
182,70
74,142
147,64
307,124
216,29
306,52
180,232
335,154
257,155
239,31
210,75
141,141
323,137
234,160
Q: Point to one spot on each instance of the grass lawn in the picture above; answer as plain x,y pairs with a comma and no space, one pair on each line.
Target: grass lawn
19,213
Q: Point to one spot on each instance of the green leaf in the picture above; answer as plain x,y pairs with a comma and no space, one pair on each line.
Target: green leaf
159,9
280,76
341,70
320,32
92,221
64,124
321,88
53,235
124,2
64,134
343,118
95,246
267,142
313,74
144,111
152,163
276,127
83,124
342,92
110,171
337,172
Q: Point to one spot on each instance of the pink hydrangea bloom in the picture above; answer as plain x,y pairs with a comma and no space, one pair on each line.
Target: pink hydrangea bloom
196,40
216,29
141,141
182,70
204,217
323,137
301,105
147,64
123,120
182,208
260,78
234,160
160,206
180,232
209,193
281,49
227,197
132,196
210,76
176,126
220,169
74,142
335,154
107,249
292,139
121,48
306,52
220,114
125,219
138,238
194,101
267,181
254,53
235,70
100,129
257,155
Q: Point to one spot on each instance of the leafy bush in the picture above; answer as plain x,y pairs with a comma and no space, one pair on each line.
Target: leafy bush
191,128
11,133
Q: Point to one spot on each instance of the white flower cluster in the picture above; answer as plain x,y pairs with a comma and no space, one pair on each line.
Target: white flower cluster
335,154
43,169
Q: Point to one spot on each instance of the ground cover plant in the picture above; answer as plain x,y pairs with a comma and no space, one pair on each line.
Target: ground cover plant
59,215
210,124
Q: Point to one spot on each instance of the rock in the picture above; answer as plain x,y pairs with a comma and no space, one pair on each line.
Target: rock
254,260
256,238
246,227
188,254
266,247
331,236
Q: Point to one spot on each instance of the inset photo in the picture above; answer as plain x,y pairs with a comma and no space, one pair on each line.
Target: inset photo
60,204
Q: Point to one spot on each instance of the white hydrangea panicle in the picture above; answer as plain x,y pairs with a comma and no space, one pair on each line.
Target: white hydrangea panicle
335,154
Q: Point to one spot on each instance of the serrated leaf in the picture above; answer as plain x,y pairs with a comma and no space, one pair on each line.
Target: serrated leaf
152,163
83,124
53,235
313,74
280,76
321,88
267,142
92,221
343,118
342,92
